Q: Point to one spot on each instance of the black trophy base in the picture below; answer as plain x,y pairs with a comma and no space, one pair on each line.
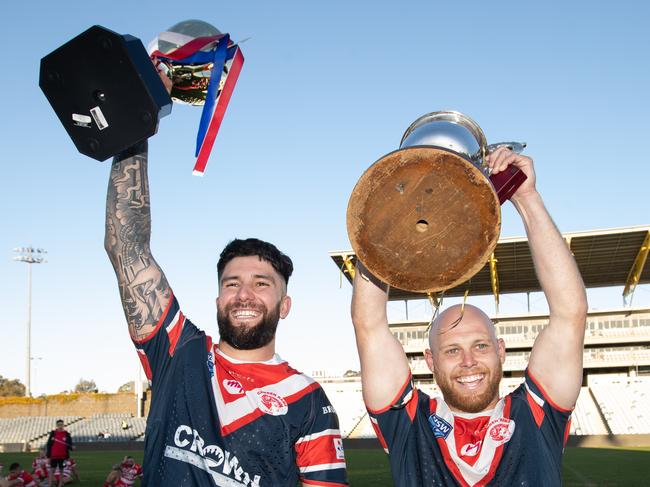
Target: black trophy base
105,90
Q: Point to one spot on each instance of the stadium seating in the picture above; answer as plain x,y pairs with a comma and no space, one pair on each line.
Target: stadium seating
624,402
586,419
90,428
26,429
32,431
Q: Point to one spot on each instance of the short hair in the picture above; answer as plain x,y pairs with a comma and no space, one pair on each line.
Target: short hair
60,421
255,247
14,466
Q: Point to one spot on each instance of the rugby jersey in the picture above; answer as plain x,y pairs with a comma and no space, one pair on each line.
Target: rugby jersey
39,466
26,479
520,442
128,474
217,421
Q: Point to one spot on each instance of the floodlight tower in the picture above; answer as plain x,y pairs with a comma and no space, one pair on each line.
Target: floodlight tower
30,256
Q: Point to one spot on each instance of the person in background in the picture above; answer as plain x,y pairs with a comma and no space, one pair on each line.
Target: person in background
24,479
59,445
39,465
124,474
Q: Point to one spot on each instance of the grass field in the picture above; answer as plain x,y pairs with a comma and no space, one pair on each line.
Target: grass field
591,467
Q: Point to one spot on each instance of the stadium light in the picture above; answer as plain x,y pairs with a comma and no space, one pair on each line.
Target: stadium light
30,256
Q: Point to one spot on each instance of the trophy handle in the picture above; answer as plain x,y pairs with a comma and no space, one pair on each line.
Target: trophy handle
507,182
517,147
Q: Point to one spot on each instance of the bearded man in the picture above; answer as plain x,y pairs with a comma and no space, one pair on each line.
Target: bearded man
228,414
470,436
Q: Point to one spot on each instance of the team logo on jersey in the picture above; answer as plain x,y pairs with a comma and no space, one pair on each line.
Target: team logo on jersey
271,403
233,386
501,430
471,449
439,426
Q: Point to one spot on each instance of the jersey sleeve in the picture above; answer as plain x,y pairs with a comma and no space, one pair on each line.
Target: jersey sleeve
393,423
319,449
553,421
156,351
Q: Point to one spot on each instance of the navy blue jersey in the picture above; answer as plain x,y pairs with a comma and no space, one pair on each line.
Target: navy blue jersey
520,443
217,421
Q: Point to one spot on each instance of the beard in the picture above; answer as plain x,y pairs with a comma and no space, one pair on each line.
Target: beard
248,337
474,401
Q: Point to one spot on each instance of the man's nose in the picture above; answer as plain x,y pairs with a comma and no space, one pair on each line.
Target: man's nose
468,359
245,292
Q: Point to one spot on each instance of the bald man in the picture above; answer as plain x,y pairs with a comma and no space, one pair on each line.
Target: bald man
471,436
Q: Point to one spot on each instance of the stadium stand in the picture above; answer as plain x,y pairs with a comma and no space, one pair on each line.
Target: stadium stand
109,427
587,419
26,430
32,431
624,403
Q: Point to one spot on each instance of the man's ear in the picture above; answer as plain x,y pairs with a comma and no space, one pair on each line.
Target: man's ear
285,306
502,350
428,358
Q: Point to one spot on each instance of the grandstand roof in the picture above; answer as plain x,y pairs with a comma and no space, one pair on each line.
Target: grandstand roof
610,257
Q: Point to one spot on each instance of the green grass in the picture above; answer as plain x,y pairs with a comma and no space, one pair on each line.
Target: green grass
606,467
93,466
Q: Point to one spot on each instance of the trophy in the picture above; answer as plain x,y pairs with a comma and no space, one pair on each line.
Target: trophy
109,94
427,217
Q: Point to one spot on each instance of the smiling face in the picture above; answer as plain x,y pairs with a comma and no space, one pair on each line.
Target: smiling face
252,299
466,358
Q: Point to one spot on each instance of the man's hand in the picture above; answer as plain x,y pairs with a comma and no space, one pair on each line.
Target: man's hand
503,157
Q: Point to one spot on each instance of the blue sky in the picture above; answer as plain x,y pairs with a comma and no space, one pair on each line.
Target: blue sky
327,88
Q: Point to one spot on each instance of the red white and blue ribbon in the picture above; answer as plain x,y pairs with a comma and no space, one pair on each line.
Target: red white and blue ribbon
216,102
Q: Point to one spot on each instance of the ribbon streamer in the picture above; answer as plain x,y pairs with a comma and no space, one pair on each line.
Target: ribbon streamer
216,102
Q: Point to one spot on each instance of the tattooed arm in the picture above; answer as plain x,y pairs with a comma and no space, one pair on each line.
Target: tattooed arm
143,288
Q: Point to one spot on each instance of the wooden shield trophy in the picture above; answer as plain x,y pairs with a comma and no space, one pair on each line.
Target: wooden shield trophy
426,217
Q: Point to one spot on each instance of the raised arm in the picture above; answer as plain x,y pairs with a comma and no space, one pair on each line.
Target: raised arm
556,359
384,367
143,288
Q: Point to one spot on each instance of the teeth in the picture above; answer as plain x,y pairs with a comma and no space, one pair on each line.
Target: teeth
470,378
245,314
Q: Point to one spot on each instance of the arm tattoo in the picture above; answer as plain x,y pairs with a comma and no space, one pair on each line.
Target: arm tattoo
143,287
